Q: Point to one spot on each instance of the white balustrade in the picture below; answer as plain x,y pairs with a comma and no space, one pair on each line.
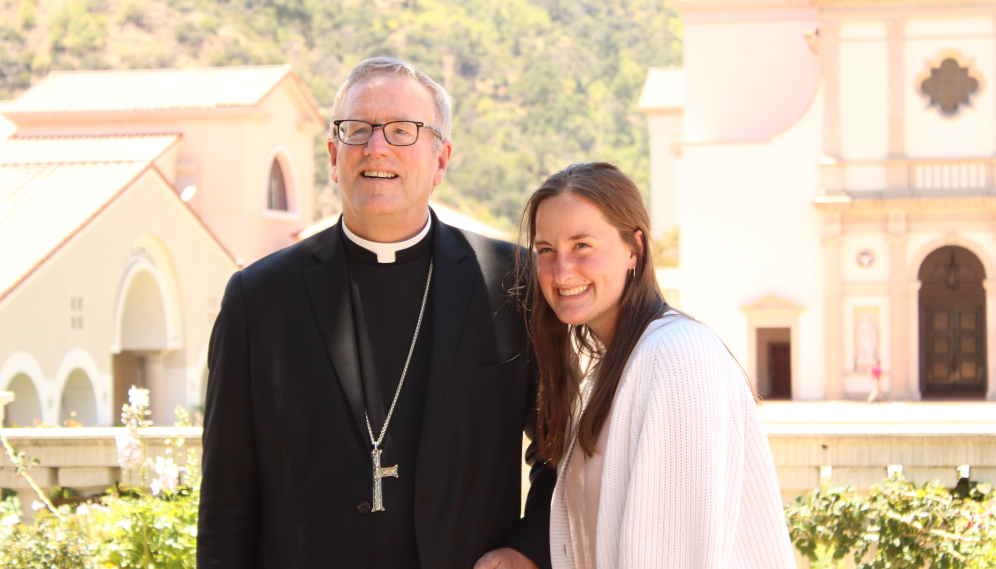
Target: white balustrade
951,175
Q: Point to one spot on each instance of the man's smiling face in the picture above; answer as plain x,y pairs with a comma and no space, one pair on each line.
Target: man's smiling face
378,179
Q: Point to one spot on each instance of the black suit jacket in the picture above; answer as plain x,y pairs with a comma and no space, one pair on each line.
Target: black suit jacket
286,450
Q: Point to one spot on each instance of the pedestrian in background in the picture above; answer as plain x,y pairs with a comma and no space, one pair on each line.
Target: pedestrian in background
876,394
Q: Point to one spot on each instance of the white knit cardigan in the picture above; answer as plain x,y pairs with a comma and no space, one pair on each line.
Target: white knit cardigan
688,480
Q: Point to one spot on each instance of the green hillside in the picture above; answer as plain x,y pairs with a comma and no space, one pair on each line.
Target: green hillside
537,85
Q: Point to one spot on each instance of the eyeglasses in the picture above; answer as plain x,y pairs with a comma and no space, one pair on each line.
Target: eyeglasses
396,133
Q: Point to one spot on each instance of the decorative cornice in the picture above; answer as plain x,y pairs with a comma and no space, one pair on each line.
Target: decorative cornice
898,3
700,5
685,6
845,205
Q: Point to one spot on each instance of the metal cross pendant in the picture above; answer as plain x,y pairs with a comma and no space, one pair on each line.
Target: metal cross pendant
379,473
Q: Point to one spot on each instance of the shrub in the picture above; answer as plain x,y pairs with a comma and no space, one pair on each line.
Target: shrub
148,532
57,541
126,527
133,12
898,525
78,28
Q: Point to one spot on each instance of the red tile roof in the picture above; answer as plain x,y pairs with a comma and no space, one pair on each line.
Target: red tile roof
51,187
65,150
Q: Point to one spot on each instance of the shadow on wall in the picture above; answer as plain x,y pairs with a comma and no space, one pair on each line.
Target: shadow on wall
78,397
26,407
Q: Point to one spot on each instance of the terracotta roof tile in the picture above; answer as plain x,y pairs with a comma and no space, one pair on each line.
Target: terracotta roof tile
64,150
58,185
145,90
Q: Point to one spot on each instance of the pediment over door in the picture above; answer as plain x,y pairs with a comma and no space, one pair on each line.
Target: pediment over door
772,304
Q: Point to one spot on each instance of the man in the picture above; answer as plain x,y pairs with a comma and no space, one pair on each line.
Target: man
369,385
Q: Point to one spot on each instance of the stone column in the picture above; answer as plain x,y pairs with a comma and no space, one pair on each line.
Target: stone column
897,170
898,319
913,338
830,54
833,306
154,379
990,338
5,398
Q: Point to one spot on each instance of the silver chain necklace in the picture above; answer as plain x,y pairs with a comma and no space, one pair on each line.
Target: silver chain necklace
378,472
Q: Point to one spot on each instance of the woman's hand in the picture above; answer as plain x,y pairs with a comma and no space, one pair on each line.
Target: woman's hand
505,558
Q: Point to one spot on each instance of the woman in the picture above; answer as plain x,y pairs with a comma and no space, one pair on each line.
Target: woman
662,461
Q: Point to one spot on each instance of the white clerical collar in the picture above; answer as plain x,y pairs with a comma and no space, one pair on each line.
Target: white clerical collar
385,251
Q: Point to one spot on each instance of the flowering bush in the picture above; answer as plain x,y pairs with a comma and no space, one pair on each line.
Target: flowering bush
898,526
158,533
126,527
62,540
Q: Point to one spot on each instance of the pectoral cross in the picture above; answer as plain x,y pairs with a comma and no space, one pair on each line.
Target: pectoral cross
379,473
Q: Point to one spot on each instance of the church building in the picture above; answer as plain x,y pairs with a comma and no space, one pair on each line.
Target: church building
127,200
830,167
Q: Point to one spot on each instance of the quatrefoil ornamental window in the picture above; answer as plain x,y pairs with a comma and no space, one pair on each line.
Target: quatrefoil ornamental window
949,85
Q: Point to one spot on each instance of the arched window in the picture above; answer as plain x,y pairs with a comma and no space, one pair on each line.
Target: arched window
276,197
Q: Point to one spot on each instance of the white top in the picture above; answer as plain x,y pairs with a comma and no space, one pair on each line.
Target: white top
385,251
688,480
582,489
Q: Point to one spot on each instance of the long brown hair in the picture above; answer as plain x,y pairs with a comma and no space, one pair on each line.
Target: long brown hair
559,345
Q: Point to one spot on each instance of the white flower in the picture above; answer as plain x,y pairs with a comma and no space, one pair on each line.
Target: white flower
129,451
10,520
138,397
83,510
167,476
36,505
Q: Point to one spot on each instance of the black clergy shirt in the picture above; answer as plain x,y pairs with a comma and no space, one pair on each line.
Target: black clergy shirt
386,301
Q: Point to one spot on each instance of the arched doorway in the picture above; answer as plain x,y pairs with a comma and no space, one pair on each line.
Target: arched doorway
952,325
26,406
143,326
78,397
143,344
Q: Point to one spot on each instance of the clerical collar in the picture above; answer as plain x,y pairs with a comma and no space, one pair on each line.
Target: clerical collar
389,252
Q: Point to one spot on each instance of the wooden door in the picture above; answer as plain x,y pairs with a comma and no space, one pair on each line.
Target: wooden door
956,355
952,325
779,370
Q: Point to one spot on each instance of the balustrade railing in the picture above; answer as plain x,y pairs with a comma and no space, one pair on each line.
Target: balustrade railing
903,177
951,175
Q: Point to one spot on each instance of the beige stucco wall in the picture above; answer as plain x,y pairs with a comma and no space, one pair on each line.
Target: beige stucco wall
666,132
864,99
146,226
749,229
750,74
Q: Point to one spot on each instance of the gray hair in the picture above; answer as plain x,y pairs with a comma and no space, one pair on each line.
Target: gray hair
391,66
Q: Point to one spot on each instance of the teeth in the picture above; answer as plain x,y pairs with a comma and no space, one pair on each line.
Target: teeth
378,174
573,291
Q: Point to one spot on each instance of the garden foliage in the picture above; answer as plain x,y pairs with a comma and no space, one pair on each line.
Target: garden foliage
124,528
898,525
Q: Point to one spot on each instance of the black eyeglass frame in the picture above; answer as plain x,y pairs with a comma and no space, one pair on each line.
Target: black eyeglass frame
418,129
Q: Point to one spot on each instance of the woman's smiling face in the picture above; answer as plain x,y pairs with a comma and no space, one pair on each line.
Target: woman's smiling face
582,263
